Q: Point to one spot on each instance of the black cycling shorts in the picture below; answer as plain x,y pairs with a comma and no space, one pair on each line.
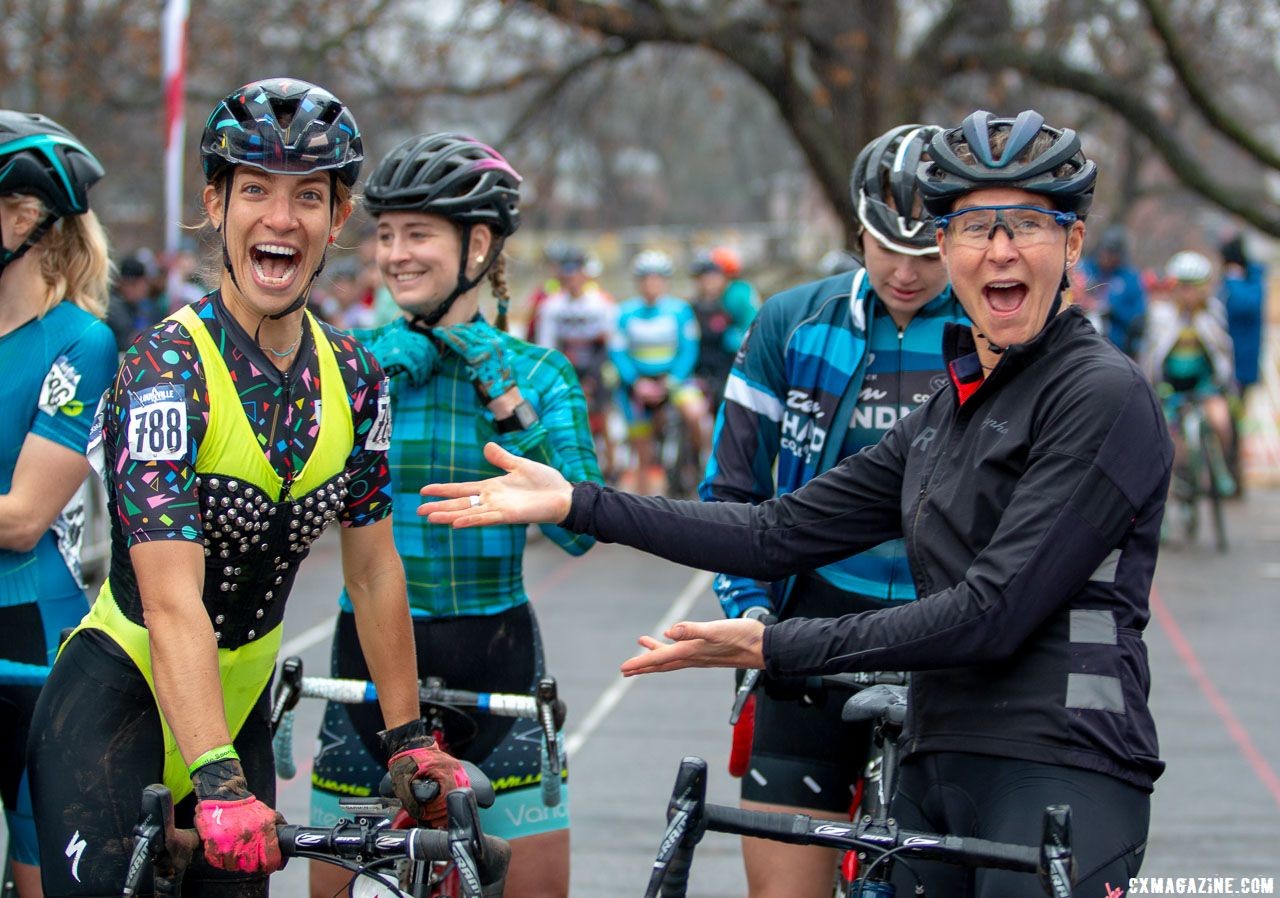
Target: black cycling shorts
803,755
1003,799
96,742
489,653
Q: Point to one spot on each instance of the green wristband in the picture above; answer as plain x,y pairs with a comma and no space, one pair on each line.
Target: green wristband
221,753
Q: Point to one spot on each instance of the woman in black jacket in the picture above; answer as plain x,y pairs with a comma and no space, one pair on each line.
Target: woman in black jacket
1029,491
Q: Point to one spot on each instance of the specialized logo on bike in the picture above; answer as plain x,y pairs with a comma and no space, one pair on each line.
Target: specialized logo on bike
75,850
157,428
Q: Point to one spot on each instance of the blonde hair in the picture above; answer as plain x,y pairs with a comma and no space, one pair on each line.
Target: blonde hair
74,257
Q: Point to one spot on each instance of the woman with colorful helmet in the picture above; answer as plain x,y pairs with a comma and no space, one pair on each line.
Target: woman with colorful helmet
221,473
445,205
57,357
1030,491
830,367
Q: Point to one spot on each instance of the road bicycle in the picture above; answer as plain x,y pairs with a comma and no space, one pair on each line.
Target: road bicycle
689,817
367,845
444,710
884,703
1202,477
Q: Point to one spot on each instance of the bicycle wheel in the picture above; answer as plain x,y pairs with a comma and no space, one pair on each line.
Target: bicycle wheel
1214,467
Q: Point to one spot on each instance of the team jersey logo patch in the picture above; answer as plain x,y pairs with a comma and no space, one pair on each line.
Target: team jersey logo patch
59,387
379,438
157,429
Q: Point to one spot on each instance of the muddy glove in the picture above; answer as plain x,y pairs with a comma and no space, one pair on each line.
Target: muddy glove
415,756
481,348
237,830
403,352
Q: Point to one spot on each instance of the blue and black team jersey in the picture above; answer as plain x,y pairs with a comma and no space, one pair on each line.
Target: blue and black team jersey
55,371
822,359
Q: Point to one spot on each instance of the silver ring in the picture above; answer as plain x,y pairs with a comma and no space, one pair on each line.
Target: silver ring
475,500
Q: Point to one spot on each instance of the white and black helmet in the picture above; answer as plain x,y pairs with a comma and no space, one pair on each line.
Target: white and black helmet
883,186
1189,267
652,261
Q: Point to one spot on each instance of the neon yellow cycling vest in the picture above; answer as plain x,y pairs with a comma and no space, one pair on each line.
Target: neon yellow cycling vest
256,529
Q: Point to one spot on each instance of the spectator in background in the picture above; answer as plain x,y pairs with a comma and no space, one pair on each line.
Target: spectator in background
134,304
551,256
725,306
1116,287
1244,293
347,302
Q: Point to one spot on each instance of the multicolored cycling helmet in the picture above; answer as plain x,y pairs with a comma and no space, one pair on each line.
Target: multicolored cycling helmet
283,126
458,178
883,185
1035,158
1189,267
652,261
40,158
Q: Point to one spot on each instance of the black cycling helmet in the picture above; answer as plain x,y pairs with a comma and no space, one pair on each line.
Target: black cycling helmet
40,158
283,126
891,161
286,127
450,175
1057,169
458,178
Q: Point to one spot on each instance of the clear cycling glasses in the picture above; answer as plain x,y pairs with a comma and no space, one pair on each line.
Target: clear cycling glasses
1026,225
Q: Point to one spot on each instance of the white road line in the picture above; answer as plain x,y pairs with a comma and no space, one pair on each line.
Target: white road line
307,638
613,695
607,701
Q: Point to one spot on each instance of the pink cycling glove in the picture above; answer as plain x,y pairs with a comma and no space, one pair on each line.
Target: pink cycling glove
239,836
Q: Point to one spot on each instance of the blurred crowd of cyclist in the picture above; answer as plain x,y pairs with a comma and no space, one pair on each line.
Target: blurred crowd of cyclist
653,364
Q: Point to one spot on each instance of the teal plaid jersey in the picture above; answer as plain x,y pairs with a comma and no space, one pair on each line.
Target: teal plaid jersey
438,433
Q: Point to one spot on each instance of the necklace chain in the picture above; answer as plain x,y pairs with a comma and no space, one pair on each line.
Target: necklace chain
288,350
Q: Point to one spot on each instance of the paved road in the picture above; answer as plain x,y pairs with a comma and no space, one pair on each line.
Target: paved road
1215,670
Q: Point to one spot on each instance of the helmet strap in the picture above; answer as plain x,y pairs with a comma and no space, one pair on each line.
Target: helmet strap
425,321
37,233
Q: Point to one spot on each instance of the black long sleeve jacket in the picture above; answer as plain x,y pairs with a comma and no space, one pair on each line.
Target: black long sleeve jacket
1031,513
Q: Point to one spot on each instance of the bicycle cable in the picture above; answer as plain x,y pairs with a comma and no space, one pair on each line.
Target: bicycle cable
888,854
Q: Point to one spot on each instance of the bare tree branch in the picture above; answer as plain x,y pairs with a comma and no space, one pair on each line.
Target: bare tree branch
556,85
1226,125
1131,107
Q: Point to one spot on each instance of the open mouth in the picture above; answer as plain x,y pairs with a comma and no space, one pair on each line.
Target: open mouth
274,265
1005,297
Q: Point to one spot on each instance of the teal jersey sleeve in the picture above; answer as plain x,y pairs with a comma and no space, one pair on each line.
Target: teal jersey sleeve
687,349
561,437
80,373
742,303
